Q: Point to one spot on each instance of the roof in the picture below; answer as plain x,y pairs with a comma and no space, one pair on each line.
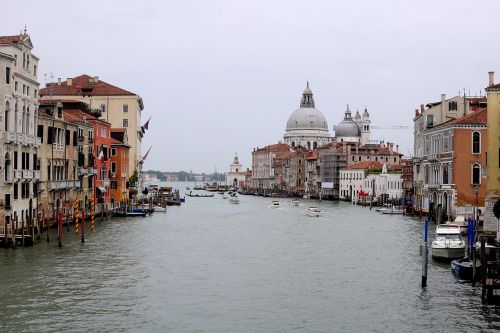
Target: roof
76,116
6,40
115,142
475,118
313,155
365,165
84,84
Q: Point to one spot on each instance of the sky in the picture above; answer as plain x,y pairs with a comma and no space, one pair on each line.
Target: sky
222,77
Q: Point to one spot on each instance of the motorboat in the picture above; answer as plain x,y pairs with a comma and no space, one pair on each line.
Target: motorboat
225,195
463,268
129,214
275,204
159,209
295,202
448,243
461,221
234,199
197,195
314,212
390,210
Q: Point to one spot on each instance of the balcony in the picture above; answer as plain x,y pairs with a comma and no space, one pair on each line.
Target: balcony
81,138
27,174
38,142
36,174
63,184
91,139
9,137
18,174
58,146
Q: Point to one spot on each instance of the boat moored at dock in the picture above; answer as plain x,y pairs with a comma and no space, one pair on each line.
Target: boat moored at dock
448,243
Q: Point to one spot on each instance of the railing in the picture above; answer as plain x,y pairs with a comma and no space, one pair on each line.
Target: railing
58,146
18,174
27,174
9,137
37,174
63,184
20,138
38,142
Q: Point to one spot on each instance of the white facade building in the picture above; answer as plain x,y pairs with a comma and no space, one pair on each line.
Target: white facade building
352,181
18,141
307,126
236,175
384,183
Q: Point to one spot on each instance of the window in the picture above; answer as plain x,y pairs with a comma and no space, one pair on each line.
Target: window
16,86
125,122
113,185
476,143
452,106
476,174
113,166
430,120
125,108
34,70
27,90
113,151
7,75
103,108
16,191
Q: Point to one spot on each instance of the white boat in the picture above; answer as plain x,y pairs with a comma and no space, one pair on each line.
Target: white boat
234,199
275,204
461,221
159,209
390,210
295,202
225,195
448,243
314,212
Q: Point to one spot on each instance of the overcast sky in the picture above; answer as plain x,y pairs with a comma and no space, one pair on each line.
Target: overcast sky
219,77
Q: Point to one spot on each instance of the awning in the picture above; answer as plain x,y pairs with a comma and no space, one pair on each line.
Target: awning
101,188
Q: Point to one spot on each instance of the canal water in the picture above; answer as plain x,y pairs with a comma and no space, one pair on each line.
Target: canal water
212,266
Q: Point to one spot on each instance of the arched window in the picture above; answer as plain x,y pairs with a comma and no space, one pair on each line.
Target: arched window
16,117
293,143
7,167
6,118
476,143
476,174
315,145
308,145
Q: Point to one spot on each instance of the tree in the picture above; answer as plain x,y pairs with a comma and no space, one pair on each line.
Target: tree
133,179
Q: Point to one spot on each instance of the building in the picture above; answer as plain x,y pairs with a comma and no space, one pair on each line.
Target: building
236,175
117,106
352,179
432,115
453,166
355,129
385,184
307,126
57,159
18,142
119,168
263,174
493,146
407,167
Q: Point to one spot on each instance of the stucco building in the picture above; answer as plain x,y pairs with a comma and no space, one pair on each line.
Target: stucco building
18,142
119,107
235,177
119,168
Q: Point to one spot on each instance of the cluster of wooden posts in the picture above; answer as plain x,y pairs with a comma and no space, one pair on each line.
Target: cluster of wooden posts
27,231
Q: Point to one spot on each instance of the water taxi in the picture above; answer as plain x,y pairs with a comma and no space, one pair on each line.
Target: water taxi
314,212
275,204
448,243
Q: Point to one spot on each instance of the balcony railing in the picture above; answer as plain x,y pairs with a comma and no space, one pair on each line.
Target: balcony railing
37,174
9,137
63,184
58,146
27,174
18,174
38,142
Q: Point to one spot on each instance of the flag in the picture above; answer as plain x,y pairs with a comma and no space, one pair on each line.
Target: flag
146,125
100,157
146,155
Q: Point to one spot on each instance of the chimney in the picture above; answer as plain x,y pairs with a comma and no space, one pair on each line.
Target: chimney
59,81
69,82
422,108
491,78
96,79
416,112
397,148
443,109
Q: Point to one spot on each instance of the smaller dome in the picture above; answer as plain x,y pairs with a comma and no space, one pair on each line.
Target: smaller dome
366,114
347,128
357,116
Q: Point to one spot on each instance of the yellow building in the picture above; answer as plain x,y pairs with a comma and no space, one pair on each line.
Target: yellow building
493,160
118,106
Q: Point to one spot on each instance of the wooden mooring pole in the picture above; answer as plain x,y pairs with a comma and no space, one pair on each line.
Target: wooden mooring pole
425,254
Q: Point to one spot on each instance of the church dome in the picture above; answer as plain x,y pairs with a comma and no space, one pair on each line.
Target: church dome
307,116
347,128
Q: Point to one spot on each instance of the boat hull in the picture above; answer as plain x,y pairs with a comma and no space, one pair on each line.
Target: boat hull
462,268
448,252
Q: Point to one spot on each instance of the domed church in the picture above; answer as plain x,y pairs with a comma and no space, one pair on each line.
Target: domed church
355,129
307,126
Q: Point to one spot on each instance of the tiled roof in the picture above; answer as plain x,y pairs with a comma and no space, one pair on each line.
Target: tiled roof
365,165
313,155
5,40
83,84
115,129
76,116
475,118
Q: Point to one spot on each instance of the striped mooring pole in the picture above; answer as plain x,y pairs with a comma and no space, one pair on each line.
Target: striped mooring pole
92,214
76,217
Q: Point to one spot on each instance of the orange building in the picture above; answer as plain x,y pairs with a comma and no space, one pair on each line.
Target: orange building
469,158
119,167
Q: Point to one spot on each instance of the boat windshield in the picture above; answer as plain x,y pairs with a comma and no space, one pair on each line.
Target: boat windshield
454,237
